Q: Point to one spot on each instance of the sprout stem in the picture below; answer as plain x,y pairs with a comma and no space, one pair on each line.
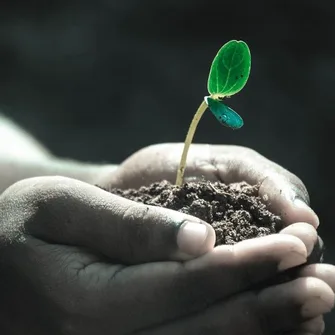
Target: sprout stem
189,137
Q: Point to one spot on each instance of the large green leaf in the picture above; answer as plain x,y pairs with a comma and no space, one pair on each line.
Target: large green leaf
230,69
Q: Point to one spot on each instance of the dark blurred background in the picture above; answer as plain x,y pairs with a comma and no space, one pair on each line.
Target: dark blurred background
97,80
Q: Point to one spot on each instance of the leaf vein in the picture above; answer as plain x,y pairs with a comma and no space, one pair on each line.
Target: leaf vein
229,70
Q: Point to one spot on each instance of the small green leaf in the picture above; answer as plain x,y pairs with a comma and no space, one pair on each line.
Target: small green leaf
230,69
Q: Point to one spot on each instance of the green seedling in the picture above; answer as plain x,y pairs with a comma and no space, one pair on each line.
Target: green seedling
228,75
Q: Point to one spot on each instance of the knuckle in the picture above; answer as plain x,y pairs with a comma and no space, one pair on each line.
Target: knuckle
299,188
245,154
245,151
30,203
134,215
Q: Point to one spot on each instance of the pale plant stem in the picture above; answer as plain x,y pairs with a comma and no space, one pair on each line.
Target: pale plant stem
189,137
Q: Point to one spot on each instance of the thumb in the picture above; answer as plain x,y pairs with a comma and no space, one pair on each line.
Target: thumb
287,196
71,212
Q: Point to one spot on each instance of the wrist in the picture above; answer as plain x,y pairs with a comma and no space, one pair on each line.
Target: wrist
13,170
87,172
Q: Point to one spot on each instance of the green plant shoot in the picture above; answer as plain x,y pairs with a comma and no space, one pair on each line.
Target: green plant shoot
229,73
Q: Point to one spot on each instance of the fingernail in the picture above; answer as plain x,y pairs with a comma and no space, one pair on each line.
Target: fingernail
192,238
315,307
291,260
302,205
316,256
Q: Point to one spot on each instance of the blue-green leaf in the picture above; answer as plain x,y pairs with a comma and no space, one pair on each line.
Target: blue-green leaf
224,114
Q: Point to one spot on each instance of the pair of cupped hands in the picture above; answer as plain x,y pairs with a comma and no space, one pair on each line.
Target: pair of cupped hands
76,259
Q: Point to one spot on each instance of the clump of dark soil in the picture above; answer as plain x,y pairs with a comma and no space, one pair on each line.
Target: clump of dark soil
235,211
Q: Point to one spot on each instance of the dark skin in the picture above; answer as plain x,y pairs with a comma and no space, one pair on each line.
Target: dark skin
78,260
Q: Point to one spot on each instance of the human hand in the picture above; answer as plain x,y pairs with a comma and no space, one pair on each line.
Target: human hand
284,192
78,260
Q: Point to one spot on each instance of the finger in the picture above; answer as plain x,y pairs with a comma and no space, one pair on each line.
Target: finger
283,197
284,192
100,282
275,310
303,231
325,272
317,255
160,291
315,326
313,297
67,211
196,284
307,234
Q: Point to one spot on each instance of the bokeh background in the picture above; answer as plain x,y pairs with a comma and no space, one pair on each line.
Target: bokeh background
96,80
